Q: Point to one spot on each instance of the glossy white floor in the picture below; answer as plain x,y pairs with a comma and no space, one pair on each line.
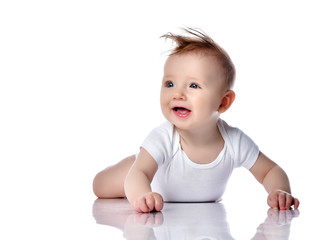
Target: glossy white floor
238,216
191,221
67,209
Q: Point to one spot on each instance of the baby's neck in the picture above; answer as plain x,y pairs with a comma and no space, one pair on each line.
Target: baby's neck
200,137
203,146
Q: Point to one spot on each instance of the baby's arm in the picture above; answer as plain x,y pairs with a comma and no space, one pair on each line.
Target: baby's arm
137,184
276,183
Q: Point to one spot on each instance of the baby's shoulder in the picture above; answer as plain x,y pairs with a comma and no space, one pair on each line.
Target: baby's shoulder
234,136
160,142
228,131
163,133
165,129
244,150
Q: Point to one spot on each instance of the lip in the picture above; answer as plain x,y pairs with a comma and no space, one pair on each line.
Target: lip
181,112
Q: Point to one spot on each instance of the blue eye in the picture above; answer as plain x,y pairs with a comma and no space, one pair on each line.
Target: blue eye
169,84
194,85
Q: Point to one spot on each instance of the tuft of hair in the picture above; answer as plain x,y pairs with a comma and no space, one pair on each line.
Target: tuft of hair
202,43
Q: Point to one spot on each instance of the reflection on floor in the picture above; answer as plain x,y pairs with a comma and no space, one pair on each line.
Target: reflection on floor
184,221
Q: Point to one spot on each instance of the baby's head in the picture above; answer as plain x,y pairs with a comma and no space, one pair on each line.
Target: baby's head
200,43
197,82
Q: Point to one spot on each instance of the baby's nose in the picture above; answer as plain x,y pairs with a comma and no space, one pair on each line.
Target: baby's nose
179,95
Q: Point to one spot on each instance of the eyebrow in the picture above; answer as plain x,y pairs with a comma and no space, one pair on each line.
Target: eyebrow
187,77
168,76
194,78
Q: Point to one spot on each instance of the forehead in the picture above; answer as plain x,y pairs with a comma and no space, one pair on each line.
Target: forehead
194,64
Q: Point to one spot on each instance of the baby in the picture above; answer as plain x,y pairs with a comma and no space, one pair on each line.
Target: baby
190,157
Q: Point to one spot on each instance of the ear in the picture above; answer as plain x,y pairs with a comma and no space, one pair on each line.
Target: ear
227,100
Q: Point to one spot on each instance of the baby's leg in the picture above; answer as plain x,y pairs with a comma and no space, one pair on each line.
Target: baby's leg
109,183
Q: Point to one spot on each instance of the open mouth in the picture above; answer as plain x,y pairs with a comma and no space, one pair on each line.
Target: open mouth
181,112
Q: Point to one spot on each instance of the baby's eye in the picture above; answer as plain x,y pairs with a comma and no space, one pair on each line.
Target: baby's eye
169,84
194,85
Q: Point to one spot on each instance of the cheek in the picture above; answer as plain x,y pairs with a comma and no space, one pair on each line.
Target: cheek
164,103
165,110
201,102
164,98
206,105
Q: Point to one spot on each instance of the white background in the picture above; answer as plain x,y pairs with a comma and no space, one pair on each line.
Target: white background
79,90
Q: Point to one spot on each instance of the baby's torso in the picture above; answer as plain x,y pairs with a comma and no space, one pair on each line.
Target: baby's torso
178,179
182,180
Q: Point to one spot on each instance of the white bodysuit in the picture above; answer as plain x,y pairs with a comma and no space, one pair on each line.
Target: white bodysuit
178,179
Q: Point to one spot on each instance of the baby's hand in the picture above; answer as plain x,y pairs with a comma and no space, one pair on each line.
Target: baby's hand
282,200
149,202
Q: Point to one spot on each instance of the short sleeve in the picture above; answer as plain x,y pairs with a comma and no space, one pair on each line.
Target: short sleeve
245,151
158,143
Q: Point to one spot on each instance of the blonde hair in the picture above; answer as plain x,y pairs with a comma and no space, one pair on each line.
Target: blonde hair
201,42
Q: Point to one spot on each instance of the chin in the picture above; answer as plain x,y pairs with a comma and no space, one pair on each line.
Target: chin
183,126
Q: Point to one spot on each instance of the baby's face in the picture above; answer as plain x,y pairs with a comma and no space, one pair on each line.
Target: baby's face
192,90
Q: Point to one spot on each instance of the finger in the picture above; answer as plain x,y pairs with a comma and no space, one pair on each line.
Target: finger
289,201
159,203
150,202
143,206
136,206
281,201
296,203
272,201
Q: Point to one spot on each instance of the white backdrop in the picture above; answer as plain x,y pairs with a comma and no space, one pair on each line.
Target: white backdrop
79,90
